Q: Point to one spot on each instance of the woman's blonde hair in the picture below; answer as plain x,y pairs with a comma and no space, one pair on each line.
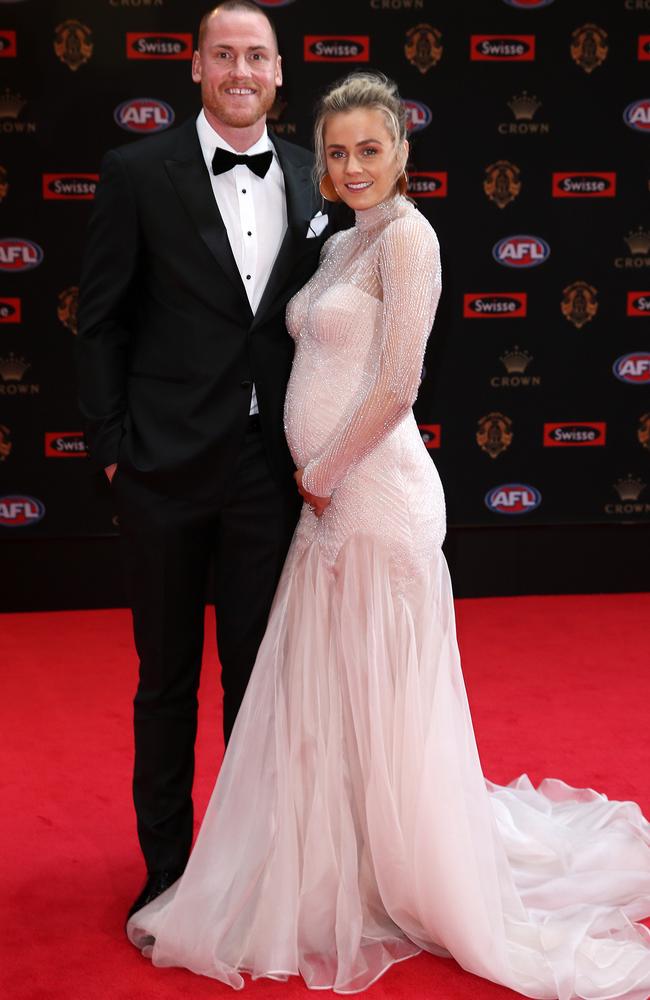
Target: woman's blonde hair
360,90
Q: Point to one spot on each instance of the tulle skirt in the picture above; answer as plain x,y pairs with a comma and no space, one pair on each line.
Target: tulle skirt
351,825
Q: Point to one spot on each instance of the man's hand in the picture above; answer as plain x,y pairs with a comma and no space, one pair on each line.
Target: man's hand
317,504
110,471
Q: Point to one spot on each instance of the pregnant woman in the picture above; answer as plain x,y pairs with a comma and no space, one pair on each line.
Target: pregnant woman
351,825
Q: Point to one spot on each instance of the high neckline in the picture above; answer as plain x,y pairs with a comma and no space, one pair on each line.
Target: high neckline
379,215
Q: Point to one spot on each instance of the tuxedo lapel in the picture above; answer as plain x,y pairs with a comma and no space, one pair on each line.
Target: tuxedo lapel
190,178
299,192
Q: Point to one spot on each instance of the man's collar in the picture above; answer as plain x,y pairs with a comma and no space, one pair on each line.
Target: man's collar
210,140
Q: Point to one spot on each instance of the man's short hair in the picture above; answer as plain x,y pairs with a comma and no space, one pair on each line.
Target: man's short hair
226,5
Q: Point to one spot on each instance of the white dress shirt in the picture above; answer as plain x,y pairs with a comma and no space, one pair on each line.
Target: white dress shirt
253,209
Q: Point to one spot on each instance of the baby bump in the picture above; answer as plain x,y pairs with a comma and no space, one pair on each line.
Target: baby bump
319,399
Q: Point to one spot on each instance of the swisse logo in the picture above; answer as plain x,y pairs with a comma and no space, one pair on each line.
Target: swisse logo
10,311
430,435
633,368
584,184
18,511
7,44
638,303
337,48
637,115
158,45
69,187
70,444
143,115
418,115
274,3
428,184
579,434
494,305
17,254
528,4
502,48
521,251
644,48
513,498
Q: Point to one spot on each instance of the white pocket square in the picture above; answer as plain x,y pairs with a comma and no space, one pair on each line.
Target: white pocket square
316,225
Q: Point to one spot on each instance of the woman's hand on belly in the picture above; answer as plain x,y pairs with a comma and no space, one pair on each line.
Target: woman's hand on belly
317,504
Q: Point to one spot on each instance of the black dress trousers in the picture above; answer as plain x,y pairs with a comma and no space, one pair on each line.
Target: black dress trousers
167,546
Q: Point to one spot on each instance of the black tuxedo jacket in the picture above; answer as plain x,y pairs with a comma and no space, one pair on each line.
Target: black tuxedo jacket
168,346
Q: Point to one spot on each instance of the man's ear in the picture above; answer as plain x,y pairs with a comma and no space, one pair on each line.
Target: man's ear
196,66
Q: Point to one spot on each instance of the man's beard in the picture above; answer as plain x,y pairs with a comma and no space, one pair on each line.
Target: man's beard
244,117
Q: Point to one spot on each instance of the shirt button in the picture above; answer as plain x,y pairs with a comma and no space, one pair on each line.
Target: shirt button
243,190
249,233
248,277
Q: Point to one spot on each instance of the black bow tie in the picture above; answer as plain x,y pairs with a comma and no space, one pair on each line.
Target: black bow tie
223,160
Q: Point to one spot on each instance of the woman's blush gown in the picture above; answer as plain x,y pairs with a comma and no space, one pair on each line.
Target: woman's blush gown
351,825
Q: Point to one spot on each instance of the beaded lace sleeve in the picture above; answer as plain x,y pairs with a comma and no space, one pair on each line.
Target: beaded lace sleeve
409,270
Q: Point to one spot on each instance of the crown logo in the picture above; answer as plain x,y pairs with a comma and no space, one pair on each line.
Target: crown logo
523,106
516,361
11,104
629,488
12,368
638,241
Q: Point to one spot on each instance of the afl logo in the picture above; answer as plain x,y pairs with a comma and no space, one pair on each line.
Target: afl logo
521,251
144,115
633,368
528,4
513,498
19,512
19,255
418,115
637,115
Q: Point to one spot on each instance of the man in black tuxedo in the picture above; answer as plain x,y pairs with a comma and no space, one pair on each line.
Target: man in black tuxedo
183,358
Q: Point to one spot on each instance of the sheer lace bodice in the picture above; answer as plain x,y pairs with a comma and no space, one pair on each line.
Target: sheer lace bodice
361,326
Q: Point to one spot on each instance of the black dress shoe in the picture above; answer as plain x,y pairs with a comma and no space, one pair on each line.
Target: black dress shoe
156,883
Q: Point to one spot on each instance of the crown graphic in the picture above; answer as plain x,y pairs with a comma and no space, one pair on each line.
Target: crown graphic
629,488
516,360
11,104
12,368
523,106
638,241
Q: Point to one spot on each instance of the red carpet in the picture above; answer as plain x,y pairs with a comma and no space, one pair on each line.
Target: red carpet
559,686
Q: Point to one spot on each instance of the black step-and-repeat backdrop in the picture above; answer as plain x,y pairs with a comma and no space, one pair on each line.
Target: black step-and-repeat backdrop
530,125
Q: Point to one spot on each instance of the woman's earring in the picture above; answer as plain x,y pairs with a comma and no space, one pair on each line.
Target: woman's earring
403,182
327,189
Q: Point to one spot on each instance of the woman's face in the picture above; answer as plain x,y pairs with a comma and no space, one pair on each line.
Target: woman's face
361,158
